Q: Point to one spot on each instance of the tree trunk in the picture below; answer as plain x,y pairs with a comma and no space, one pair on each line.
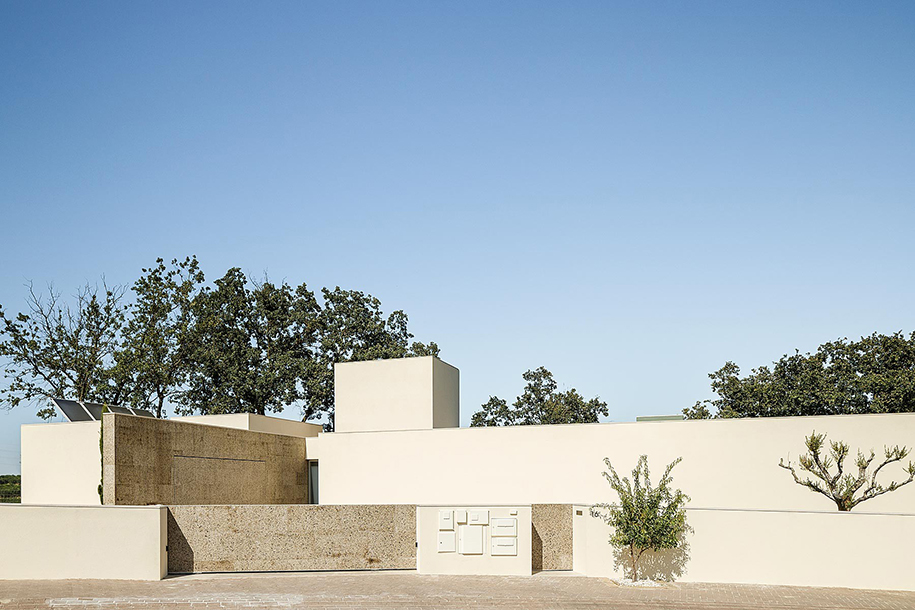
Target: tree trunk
635,568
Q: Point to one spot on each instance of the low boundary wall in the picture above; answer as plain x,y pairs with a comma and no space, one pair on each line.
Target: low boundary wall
57,542
243,538
814,549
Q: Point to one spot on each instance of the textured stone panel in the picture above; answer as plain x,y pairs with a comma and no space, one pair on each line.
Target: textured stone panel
156,461
551,528
291,537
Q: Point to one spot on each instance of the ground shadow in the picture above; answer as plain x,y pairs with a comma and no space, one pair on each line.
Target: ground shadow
666,565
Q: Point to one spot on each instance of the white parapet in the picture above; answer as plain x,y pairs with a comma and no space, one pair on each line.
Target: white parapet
106,542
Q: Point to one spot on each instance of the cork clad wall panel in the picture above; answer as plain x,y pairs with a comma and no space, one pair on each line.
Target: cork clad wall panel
156,461
551,541
291,537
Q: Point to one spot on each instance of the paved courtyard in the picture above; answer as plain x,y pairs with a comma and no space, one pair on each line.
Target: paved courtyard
409,590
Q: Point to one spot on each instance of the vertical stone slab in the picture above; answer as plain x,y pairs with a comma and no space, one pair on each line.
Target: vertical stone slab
291,537
551,529
155,461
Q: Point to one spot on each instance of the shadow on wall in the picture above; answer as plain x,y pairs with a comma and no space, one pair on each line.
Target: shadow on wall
665,565
536,549
180,553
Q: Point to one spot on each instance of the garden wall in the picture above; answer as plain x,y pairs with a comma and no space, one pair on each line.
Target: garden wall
812,549
291,537
112,542
157,461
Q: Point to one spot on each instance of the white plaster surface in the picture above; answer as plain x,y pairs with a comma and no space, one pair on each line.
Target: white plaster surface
105,542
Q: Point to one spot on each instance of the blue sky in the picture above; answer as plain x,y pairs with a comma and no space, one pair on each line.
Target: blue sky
629,194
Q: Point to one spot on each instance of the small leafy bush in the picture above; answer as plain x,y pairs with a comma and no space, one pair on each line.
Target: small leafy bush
647,517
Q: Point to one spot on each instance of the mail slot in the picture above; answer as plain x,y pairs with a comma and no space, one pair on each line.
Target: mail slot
504,546
504,527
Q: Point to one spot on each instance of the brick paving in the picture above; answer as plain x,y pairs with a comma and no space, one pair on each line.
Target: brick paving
408,590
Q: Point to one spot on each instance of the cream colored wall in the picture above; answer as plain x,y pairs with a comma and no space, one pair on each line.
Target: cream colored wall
430,561
107,542
61,463
397,394
819,549
726,463
255,423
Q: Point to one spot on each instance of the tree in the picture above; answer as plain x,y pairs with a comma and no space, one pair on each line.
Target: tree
247,348
646,518
540,403
873,375
150,361
351,327
839,486
59,351
238,346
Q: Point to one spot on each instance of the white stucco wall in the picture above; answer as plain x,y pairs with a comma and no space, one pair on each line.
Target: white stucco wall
61,463
813,549
109,542
430,561
726,463
399,394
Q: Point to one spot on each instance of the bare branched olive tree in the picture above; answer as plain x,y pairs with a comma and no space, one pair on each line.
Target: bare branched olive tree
846,489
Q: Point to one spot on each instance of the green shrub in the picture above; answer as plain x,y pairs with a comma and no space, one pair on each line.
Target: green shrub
646,518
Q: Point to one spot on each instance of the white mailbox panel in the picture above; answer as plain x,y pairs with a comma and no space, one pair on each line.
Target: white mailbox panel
478,517
504,546
446,520
504,527
470,539
460,516
446,542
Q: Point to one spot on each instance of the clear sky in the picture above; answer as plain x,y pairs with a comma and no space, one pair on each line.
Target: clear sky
629,194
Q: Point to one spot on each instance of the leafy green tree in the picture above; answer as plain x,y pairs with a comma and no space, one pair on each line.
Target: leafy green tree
237,346
540,403
352,327
873,375
839,486
56,350
10,488
150,366
646,518
247,347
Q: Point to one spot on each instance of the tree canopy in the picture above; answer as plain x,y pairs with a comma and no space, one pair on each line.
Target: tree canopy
873,375
239,345
540,403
